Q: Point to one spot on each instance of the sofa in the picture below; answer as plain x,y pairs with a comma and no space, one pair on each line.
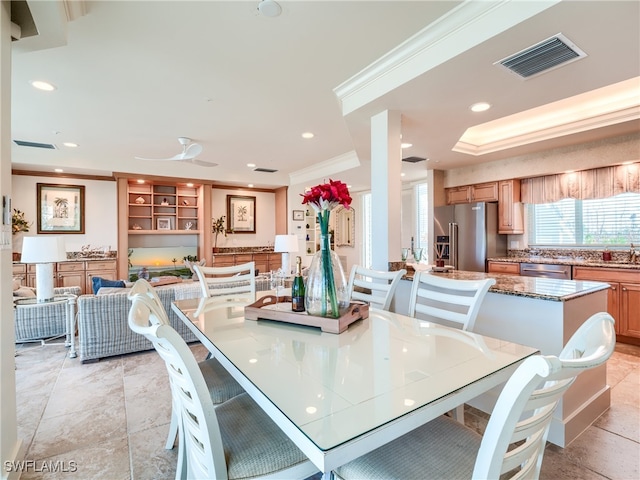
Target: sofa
103,328
42,320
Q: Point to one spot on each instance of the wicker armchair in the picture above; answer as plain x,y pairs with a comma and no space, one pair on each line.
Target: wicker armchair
45,321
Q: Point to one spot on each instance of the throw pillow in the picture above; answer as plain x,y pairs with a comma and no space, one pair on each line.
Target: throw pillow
24,292
98,282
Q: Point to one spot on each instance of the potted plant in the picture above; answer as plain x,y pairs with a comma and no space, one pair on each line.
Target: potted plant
18,225
218,228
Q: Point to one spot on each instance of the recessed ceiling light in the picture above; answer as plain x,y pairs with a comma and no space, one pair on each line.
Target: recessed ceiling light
70,144
189,184
480,107
41,85
251,165
140,181
58,170
406,145
269,8
402,174
250,185
307,135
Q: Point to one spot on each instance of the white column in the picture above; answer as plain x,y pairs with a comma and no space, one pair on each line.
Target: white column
386,189
10,445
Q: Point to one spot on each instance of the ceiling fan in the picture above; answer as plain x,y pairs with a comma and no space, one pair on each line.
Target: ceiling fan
189,153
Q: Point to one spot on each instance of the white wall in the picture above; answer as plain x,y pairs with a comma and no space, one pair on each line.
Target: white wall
265,218
101,209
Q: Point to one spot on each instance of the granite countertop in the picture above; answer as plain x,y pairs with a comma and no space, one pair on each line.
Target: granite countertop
242,252
530,287
568,261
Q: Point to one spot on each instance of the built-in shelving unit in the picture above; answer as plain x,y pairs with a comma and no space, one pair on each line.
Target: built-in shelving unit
160,212
164,209
311,232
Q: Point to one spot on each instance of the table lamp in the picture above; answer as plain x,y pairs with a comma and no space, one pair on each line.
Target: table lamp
44,251
286,244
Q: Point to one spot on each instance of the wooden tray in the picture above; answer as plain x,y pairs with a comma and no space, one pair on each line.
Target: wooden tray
257,311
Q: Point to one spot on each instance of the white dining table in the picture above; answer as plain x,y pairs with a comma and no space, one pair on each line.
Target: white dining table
339,396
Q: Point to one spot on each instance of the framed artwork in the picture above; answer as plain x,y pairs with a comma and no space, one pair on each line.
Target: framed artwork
241,214
298,214
163,223
60,208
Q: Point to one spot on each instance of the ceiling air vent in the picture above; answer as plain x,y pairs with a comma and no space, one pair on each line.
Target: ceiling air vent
265,170
22,143
546,55
413,159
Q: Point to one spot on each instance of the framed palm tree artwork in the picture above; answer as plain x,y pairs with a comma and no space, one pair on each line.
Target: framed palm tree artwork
60,208
241,214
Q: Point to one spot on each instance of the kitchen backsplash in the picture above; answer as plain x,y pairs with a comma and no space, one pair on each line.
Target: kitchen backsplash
617,256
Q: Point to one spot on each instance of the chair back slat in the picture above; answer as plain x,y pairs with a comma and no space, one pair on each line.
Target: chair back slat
202,436
374,286
524,410
231,281
452,301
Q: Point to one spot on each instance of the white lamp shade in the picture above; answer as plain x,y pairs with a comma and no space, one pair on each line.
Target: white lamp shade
43,249
286,244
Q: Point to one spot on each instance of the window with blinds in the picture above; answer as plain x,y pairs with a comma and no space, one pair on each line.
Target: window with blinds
613,221
422,218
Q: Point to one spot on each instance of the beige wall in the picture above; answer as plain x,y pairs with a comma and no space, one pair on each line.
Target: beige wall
101,210
578,157
265,218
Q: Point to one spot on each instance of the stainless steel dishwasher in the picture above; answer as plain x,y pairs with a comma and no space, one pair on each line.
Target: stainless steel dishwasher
545,270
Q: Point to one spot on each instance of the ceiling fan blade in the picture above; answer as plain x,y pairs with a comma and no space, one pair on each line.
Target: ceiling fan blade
193,150
175,157
202,163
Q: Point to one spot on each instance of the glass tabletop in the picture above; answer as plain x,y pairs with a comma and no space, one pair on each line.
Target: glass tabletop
336,387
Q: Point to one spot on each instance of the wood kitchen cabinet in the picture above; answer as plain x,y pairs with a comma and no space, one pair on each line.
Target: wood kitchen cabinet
264,261
622,300
20,273
106,269
510,208
71,274
77,273
504,268
482,192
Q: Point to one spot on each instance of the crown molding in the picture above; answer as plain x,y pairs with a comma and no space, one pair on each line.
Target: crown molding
325,169
464,27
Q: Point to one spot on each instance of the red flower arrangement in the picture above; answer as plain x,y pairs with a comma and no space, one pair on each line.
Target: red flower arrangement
324,198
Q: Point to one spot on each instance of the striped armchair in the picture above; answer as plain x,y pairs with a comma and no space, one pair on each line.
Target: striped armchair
45,321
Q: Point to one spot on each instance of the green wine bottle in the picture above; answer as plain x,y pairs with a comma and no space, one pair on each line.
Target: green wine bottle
297,289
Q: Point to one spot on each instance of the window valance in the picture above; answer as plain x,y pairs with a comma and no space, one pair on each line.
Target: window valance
586,184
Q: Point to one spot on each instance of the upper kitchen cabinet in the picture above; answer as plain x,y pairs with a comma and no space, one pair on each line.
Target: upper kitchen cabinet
483,192
510,209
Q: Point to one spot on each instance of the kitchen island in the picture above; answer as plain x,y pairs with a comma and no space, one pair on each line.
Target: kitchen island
542,313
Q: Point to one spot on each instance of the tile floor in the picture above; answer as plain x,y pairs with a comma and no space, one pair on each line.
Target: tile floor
109,420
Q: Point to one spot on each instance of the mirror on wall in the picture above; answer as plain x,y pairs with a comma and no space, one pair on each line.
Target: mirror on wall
345,229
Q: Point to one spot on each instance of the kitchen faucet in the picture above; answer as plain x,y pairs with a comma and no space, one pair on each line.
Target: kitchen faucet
634,254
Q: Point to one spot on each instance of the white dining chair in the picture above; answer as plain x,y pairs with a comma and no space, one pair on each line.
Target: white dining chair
234,440
448,301
227,281
513,443
221,384
374,286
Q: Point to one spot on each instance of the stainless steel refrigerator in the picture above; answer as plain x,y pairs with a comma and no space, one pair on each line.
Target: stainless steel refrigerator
467,235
